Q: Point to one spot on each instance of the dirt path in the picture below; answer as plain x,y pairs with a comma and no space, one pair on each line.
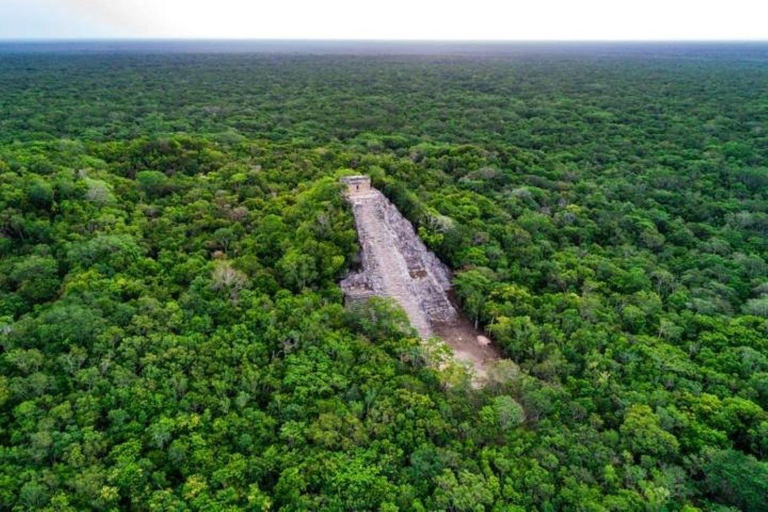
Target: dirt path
396,264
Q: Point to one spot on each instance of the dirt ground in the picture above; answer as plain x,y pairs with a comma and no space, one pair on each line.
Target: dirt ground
462,337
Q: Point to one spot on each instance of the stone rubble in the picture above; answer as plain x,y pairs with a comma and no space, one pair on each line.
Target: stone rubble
397,264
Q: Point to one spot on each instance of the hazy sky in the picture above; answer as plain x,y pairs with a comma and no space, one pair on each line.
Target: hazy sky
387,19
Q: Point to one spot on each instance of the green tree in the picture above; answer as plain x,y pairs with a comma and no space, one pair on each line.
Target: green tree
36,278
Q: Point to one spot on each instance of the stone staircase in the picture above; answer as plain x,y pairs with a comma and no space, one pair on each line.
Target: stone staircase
397,264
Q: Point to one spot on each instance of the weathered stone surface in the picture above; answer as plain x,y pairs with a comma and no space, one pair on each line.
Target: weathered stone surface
396,263
357,184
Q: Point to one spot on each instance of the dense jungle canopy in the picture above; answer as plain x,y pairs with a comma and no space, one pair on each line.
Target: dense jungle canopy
172,234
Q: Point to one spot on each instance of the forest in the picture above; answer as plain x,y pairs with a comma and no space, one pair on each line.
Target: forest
172,235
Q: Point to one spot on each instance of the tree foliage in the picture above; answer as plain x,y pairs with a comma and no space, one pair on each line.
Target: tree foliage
172,231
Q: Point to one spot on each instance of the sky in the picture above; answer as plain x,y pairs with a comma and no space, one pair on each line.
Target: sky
387,19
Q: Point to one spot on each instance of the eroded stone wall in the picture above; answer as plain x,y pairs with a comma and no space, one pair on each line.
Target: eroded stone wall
397,264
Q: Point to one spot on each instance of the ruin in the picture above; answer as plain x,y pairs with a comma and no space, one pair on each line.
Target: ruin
395,263
357,184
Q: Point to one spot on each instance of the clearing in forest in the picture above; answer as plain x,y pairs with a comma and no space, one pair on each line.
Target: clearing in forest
397,264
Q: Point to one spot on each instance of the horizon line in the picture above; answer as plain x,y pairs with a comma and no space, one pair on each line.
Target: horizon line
358,40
